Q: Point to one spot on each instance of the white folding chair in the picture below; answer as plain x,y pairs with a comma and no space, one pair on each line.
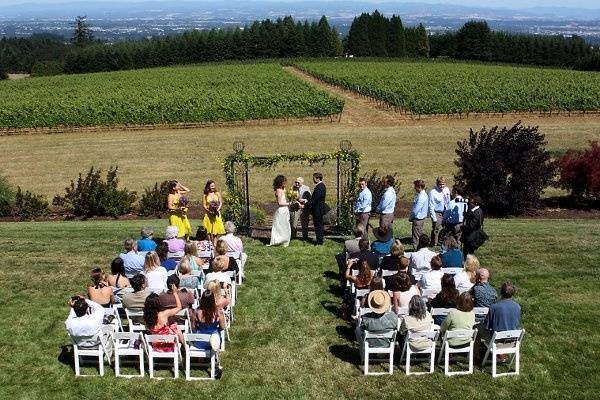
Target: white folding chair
467,349
99,350
366,350
451,271
193,352
132,316
174,355
480,313
435,312
505,342
428,294
407,351
113,312
387,272
402,311
128,344
186,326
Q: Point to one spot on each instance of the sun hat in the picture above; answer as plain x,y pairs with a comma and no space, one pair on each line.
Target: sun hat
379,301
383,233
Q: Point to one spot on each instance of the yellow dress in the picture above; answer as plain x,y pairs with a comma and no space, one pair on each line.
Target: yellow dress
213,222
179,219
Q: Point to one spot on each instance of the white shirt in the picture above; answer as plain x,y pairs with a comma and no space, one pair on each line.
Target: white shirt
406,296
217,276
462,282
432,280
235,247
157,280
421,260
438,201
83,328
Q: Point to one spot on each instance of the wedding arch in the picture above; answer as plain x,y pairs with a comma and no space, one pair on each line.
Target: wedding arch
237,166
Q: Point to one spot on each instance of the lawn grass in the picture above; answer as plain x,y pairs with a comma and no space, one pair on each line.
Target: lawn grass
287,339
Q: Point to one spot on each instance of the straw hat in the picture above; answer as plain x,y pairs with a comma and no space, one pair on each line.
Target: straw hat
379,301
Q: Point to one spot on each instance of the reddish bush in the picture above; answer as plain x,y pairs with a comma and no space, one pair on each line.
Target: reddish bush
580,171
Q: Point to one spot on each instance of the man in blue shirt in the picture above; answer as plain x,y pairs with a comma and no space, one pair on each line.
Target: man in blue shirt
387,204
419,211
454,214
132,260
362,207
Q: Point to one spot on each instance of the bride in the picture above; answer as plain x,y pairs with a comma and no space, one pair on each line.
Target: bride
281,230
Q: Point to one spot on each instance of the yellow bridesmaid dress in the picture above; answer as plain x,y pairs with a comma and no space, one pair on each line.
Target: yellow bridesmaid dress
213,222
179,219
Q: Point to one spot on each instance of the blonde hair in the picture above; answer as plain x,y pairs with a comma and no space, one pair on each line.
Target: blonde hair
184,266
397,249
191,248
214,287
221,247
151,262
451,243
219,263
471,266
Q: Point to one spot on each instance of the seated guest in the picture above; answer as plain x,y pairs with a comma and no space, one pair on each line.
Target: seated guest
135,301
85,321
132,260
404,268
157,320
484,295
218,266
176,245
351,245
100,291
379,320
465,279
118,279
363,279
447,298
156,276
186,278
432,280
209,319
461,317
505,315
365,254
146,243
163,254
167,299
222,300
191,255
205,246
221,250
376,284
452,256
417,320
392,261
235,247
404,291
420,260
384,240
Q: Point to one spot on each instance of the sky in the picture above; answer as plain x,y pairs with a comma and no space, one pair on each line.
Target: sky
595,4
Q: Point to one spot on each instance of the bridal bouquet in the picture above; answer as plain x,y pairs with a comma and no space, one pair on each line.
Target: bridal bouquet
291,195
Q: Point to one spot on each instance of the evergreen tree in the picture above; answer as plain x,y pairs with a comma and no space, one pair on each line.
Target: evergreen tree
358,37
82,34
473,41
396,45
378,35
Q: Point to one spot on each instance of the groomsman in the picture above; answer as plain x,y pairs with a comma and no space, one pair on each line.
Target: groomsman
316,206
387,204
362,207
419,211
439,198
298,214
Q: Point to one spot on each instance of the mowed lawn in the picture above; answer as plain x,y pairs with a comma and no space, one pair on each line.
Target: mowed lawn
287,339
417,149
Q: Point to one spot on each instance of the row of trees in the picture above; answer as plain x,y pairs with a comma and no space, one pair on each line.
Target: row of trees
374,35
25,54
476,41
265,39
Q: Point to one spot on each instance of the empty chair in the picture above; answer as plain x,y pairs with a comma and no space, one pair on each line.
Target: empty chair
128,344
193,352
133,318
506,342
407,350
447,349
99,350
162,347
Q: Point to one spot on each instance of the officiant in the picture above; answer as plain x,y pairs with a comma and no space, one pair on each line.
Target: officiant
298,214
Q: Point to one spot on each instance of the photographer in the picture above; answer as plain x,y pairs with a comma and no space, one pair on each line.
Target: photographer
454,215
85,321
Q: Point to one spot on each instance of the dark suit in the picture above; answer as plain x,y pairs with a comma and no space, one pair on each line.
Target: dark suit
472,230
316,206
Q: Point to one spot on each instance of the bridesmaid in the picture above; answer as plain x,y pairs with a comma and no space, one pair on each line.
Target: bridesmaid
213,202
178,209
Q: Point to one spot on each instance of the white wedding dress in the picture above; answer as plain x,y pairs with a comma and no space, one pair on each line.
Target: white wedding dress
281,231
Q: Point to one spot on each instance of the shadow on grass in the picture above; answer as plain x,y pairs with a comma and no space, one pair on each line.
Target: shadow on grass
333,308
406,240
345,331
66,356
331,275
336,290
346,354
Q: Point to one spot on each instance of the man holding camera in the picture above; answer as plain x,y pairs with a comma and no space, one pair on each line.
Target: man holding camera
85,323
454,214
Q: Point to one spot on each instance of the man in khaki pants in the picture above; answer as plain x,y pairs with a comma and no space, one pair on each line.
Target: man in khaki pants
419,211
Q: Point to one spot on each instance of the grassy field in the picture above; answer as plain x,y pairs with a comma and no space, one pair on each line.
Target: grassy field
433,87
46,163
287,340
197,93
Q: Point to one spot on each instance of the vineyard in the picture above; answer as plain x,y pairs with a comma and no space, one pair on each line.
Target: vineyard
201,93
431,87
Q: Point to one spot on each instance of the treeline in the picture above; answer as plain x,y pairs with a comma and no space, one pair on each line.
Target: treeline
265,39
374,35
36,52
476,41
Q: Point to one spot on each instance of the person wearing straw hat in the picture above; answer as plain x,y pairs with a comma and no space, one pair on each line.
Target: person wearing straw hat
380,319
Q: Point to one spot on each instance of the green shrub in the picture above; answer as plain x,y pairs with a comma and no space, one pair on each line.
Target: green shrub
154,199
7,197
257,216
29,205
92,196
47,68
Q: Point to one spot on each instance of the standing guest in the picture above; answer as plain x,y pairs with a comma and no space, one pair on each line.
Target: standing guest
454,214
419,211
163,254
387,204
473,235
461,317
439,198
212,202
281,231
146,243
156,276
417,320
167,299
191,254
452,256
100,291
351,245
157,320
177,207
379,320
298,214
432,280
420,260
235,246
465,279
366,254
230,262
85,323
205,246
484,294
362,207
176,244
186,279
316,206
384,240
364,277
403,292
132,260
118,279
447,298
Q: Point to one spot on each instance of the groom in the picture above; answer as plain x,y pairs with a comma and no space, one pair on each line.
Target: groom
316,206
